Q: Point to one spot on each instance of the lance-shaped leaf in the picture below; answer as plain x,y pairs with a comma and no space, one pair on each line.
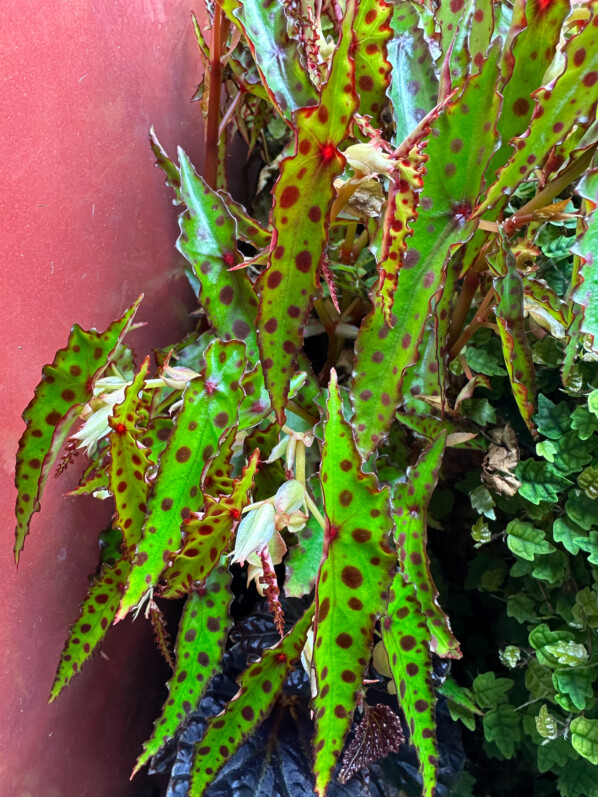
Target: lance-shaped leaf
511,326
155,437
372,69
207,539
586,246
352,587
407,641
462,139
567,100
538,294
208,241
218,475
260,685
66,385
300,217
129,464
203,630
466,32
96,616
529,49
210,408
95,477
265,26
411,506
401,212
248,229
413,89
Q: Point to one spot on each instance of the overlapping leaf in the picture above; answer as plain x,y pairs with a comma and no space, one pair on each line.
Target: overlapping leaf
208,241
511,326
462,140
207,539
210,408
411,501
352,586
285,78
66,385
372,69
129,464
586,290
300,217
569,99
413,89
260,685
203,629
401,212
529,50
407,640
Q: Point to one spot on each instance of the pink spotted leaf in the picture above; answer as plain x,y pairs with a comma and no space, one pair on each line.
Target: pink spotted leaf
203,629
210,408
66,386
352,585
410,502
260,686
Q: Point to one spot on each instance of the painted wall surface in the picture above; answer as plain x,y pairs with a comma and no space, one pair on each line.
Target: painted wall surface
86,225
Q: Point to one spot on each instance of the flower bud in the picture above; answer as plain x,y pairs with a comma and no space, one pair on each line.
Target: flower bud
254,532
289,497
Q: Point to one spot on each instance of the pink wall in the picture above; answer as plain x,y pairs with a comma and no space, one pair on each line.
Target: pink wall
86,226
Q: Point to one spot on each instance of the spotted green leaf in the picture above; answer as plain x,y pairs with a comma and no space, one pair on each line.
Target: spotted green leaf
265,27
401,212
96,616
155,437
585,249
66,385
302,199
529,49
372,69
260,686
203,629
217,479
210,408
407,641
429,427
207,539
511,327
414,86
461,141
208,241
129,463
569,99
351,591
410,502
95,477
248,229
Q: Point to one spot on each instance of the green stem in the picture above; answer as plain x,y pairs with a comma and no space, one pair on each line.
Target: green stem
315,511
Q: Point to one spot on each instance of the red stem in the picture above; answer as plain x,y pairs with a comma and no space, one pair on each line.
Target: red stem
214,88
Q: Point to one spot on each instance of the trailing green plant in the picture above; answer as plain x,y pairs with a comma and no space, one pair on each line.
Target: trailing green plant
428,229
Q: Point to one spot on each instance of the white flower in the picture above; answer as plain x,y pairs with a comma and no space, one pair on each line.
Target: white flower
96,426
